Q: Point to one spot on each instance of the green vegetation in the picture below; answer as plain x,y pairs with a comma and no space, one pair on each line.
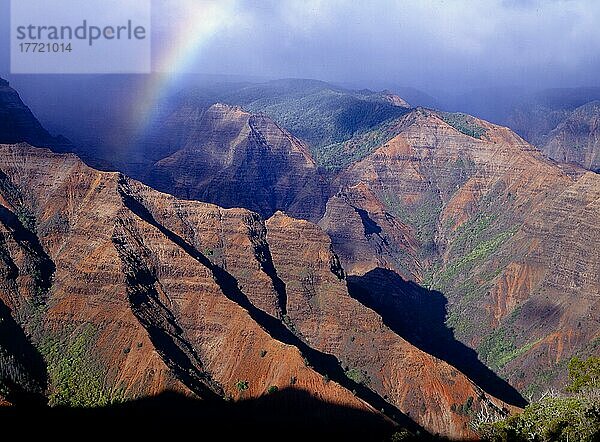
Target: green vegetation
336,156
464,123
322,115
14,373
471,231
574,418
358,376
515,353
76,378
26,218
543,378
402,435
241,385
422,216
584,375
469,274
499,347
480,253
263,353
272,389
465,409
551,419
495,347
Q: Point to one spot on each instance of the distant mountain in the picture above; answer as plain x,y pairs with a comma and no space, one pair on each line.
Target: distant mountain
561,122
538,114
317,112
416,97
108,127
493,104
18,124
576,139
538,117
233,158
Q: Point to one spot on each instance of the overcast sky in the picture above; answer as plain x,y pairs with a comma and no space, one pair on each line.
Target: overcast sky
428,44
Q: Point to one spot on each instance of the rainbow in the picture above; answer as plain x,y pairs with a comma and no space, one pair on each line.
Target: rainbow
203,21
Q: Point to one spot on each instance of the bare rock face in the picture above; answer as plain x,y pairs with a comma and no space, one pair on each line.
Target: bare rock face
233,158
506,236
133,292
367,235
577,138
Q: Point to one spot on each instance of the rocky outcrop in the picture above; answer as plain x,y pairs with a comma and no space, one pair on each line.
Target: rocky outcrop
394,99
233,158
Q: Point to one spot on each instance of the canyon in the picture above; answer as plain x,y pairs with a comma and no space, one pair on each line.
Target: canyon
416,268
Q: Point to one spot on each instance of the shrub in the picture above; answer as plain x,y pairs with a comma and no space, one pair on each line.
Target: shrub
584,375
241,385
464,123
358,376
551,419
77,378
556,418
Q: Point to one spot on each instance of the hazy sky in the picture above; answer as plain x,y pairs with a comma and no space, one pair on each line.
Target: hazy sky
428,44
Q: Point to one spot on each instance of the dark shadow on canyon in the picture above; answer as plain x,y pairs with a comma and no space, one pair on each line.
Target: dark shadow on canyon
22,367
288,414
418,315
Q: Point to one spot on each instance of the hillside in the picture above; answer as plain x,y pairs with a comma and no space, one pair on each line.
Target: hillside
17,122
561,122
439,262
503,236
233,158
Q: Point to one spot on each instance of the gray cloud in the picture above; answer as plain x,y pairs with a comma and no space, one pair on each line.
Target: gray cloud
429,44
447,45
